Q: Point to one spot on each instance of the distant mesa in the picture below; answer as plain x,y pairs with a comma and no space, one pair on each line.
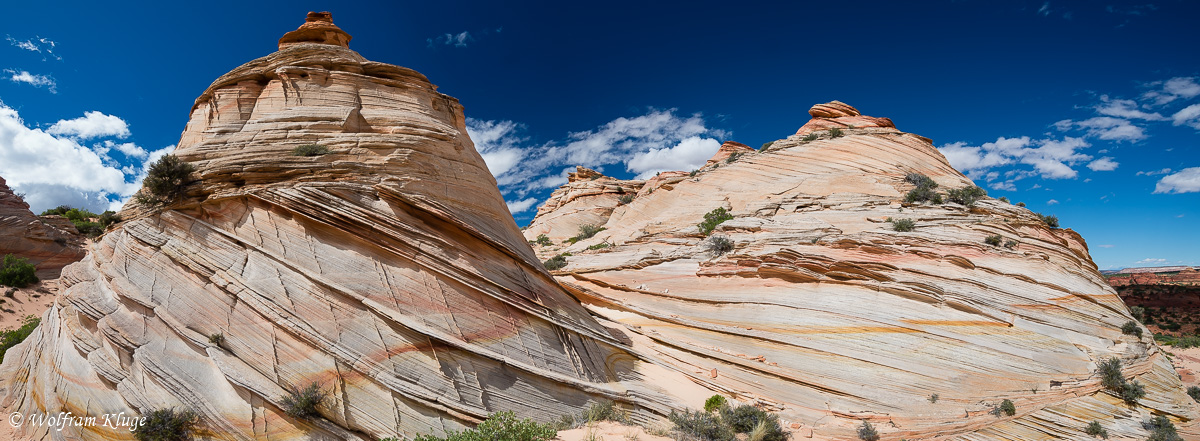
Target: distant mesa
318,28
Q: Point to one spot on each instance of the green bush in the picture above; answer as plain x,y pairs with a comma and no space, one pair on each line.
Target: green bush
867,432
766,145
501,426
993,240
1192,391
923,190
12,337
920,180
1050,220
302,403
1095,429
165,181
1110,374
933,398
716,401
1132,392
598,246
60,210
902,225
167,425
555,263
810,137
1003,199
966,196
1008,408
310,150
712,219
217,340
1131,328
703,426
628,198
836,133
543,240
1020,204
108,218
1161,429
718,245
17,272
1138,313
733,157
586,232
1010,244
604,411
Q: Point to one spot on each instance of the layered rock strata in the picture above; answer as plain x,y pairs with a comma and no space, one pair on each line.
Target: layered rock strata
588,198
824,313
388,272
49,242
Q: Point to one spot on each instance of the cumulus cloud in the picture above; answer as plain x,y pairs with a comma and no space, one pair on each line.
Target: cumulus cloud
1183,181
91,125
515,207
54,170
1105,128
656,141
1128,109
1103,164
1189,116
1170,90
32,80
1050,158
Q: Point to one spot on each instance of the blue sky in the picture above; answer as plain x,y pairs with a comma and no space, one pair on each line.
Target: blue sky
1086,110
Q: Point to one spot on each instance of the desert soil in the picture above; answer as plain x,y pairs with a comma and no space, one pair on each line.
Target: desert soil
31,300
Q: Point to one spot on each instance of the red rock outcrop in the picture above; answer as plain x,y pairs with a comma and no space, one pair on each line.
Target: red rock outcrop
729,148
588,198
822,312
388,272
49,242
318,27
1182,277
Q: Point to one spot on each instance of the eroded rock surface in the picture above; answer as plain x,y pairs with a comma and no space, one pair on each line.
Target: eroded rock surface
49,242
588,198
824,313
387,271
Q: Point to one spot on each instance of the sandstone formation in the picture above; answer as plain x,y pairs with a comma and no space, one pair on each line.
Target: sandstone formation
1180,276
49,242
825,314
588,198
388,272
729,148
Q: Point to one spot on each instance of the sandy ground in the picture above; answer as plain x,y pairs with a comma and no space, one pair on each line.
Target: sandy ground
31,300
608,431
1187,363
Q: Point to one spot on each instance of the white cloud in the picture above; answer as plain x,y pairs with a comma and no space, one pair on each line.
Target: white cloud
1189,115
91,125
1050,158
1106,246
32,80
515,207
129,149
1103,164
1106,128
1154,172
1008,185
56,170
37,44
457,40
1045,9
1052,202
1184,181
498,143
1171,90
1152,260
1127,109
689,154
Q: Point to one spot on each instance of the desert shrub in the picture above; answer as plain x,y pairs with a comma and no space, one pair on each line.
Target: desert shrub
302,403
933,398
1138,313
716,401
1192,391
867,432
310,150
108,218
836,133
810,137
718,245
1161,429
923,190
60,210
712,219
920,180
1132,392
1095,429
217,340
902,225
1007,408
500,426
766,145
733,157
628,198
1050,220
1020,204
555,263
1131,328
167,425
587,231
604,411
543,240
12,337
1010,244
703,426
17,272
692,174
1003,199
165,181
993,240
599,246
966,195
1110,374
